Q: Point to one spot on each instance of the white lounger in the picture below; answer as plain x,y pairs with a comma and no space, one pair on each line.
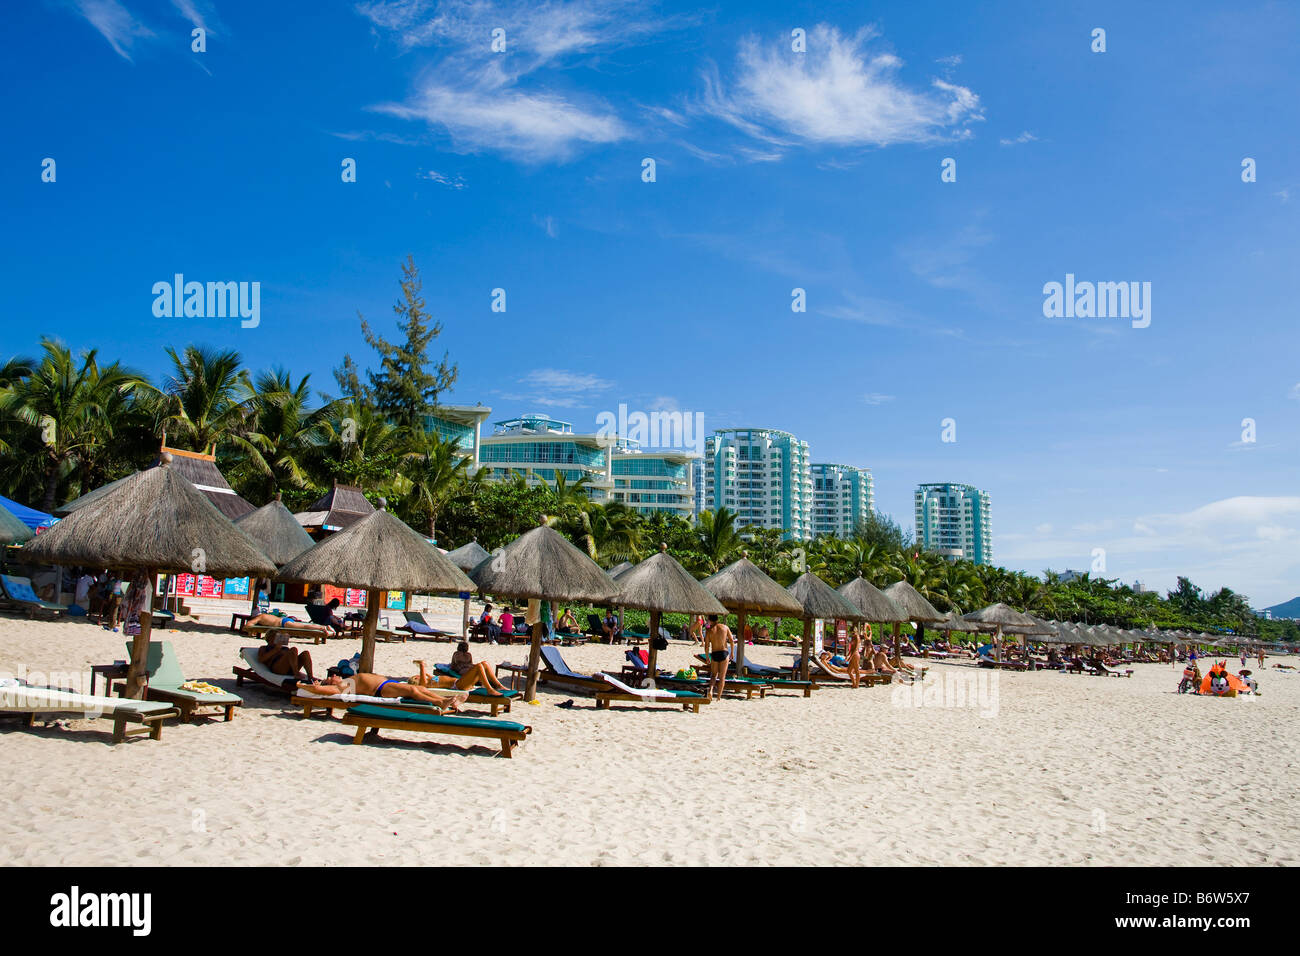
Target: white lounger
22,699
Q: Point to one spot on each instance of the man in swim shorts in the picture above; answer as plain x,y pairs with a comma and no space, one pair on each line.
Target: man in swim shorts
718,645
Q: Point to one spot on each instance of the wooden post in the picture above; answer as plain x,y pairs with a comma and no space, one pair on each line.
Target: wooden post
898,644
464,621
654,651
135,677
741,617
805,667
367,665
534,661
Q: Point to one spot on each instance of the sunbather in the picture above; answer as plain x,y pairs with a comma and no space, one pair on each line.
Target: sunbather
285,622
880,661
283,658
855,658
376,685
475,675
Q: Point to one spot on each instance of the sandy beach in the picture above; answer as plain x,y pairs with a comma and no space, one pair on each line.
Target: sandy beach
1039,768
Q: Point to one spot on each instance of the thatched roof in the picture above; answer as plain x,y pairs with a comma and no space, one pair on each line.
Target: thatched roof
742,586
1008,618
619,569
468,556
341,507
202,472
155,520
821,602
379,553
874,604
276,531
89,497
911,601
543,564
660,583
13,531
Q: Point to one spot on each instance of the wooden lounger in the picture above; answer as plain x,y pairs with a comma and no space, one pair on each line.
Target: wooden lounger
258,672
768,675
164,684
257,630
310,702
29,702
370,718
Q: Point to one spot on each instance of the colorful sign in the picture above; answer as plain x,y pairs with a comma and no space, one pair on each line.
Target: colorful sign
236,587
395,600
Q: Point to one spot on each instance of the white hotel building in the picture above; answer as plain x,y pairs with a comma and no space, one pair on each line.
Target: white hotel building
843,498
763,475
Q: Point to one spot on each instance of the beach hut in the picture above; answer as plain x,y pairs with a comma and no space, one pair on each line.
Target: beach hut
340,508
660,585
821,602
743,590
279,535
156,521
918,609
377,553
542,565
467,557
200,469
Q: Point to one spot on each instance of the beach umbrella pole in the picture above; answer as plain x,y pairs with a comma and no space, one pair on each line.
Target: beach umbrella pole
654,651
464,621
367,665
741,618
135,675
898,644
804,666
534,662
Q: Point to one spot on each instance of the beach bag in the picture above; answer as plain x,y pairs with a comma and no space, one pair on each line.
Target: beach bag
658,643
686,673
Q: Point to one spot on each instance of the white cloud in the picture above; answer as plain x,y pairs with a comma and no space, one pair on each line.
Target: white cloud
877,398
1294,392
116,23
838,92
559,388
451,182
1024,137
547,224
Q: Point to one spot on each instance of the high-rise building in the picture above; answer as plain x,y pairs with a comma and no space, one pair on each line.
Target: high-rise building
843,497
539,447
697,484
954,520
461,424
763,475
650,481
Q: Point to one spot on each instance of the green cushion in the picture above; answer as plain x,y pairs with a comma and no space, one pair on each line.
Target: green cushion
436,720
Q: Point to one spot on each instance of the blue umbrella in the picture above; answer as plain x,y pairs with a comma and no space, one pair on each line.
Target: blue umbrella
29,516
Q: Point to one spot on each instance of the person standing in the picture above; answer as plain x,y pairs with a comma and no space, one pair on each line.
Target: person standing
719,644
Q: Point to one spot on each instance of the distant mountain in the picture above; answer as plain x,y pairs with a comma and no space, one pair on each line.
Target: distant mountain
1289,608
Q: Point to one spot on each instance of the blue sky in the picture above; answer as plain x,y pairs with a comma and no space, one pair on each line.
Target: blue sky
775,170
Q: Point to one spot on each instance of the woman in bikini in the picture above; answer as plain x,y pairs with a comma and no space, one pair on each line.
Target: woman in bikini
471,676
377,685
855,657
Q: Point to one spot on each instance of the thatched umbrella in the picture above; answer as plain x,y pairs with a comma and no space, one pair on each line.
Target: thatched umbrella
1004,619
377,553
659,584
872,601
821,602
279,535
542,564
917,607
13,531
467,557
89,498
619,569
154,521
743,590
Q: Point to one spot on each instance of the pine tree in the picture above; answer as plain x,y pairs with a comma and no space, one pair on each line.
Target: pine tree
405,389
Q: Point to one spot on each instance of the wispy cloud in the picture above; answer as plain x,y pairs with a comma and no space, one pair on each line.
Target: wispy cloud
115,23
877,398
1294,392
839,92
1024,137
547,225
558,388
486,100
451,182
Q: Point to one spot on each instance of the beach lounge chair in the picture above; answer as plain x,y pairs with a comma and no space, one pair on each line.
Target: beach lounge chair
163,671
31,701
607,688
259,673
372,718
1105,669
774,677
840,679
19,595
986,661
417,626
257,630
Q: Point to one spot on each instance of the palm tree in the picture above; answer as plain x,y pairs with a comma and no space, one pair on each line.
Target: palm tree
615,534
435,476
718,537
65,406
207,396
281,432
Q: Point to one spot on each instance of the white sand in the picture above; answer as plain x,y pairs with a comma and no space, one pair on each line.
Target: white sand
1070,770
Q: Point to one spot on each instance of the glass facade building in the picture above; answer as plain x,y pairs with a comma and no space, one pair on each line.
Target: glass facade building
955,521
